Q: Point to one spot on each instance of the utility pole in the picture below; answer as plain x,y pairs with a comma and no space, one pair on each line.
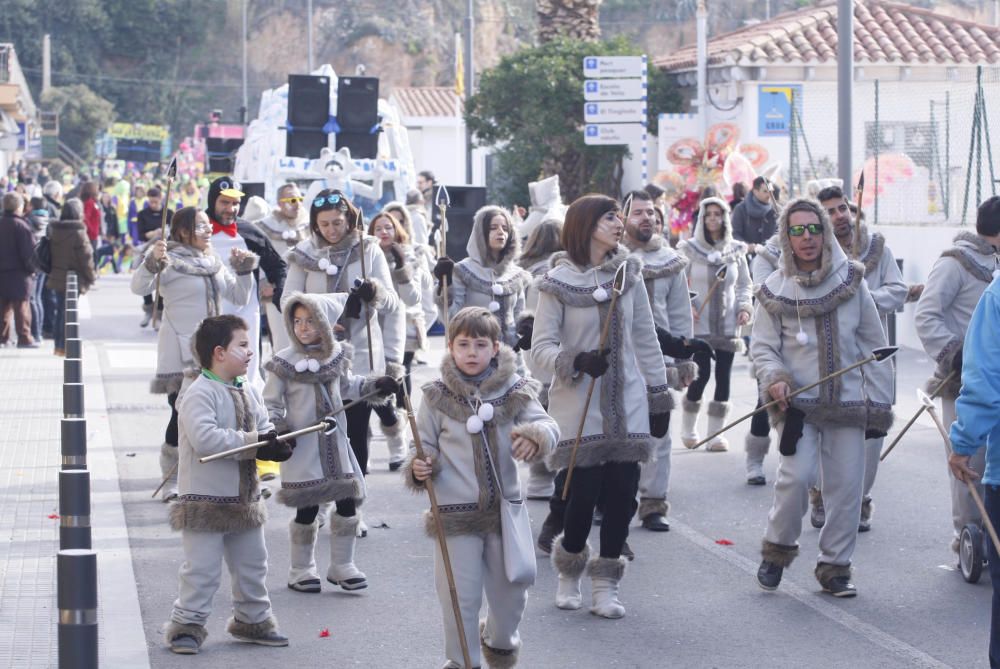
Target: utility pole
46,63
845,87
470,68
309,24
245,109
701,19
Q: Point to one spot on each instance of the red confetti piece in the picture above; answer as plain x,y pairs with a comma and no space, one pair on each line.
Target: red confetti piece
53,516
724,542
325,632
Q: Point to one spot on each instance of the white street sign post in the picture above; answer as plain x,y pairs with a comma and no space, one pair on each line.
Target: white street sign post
605,134
614,108
629,111
614,89
596,67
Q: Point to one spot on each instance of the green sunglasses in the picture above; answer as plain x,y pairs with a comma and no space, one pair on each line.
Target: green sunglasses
799,230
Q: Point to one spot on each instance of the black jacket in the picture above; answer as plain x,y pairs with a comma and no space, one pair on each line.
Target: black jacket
271,262
148,220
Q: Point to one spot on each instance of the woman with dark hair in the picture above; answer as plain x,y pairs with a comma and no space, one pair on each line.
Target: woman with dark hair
71,252
93,218
711,250
489,277
630,402
329,261
193,281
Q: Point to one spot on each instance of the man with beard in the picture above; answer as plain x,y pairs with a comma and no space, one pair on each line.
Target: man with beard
754,219
228,232
885,283
285,226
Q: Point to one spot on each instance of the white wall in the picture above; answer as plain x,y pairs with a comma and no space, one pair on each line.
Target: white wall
440,149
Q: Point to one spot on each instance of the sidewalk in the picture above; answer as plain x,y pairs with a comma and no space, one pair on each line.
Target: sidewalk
30,385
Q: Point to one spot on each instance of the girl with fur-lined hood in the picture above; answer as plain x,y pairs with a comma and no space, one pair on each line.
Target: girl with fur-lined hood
468,495
810,324
729,307
491,279
306,383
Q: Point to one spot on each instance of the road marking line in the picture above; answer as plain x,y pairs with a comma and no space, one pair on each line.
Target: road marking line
913,656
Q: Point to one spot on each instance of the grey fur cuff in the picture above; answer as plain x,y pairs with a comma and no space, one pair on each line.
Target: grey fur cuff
368,386
302,535
880,417
394,369
660,402
343,526
770,377
537,434
497,658
381,294
413,484
602,567
566,563
245,265
152,264
689,406
523,316
826,571
778,554
687,372
748,309
649,507
402,275
719,409
673,377
252,630
176,629
564,365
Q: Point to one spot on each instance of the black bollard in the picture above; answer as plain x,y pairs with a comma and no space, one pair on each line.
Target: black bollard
76,595
72,370
72,315
72,330
71,301
74,443
73,400
74,349
74,509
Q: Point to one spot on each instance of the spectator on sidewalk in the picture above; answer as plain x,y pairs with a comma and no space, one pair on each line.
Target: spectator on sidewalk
38,220
93,219
16,271
71,252
754,219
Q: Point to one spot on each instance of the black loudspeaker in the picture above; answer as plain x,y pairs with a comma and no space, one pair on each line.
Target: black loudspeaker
361,144
357,115
308,101
465,202
250,188
305,143
220,154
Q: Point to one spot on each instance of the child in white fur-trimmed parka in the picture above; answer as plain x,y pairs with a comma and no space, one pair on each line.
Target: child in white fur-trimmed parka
481,410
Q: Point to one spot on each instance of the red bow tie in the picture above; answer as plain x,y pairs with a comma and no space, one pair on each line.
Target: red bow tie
228,229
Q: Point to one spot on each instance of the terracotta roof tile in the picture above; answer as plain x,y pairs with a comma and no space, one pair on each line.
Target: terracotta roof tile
884,32
424,101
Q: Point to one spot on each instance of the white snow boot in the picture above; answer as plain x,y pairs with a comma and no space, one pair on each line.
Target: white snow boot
302,574
570,568
394,440
605,576
717,414
342,570
689,422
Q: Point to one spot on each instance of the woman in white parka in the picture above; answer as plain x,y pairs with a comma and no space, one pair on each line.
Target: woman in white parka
711,249
631,400
329,261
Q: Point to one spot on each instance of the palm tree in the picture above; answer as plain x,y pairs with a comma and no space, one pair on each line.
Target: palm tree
577,19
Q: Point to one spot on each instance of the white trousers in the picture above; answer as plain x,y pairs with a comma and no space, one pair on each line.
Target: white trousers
963,508
654,477
873,449
839,453
201,573
477,563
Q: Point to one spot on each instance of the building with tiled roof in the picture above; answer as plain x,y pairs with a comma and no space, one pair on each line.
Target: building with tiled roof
432,116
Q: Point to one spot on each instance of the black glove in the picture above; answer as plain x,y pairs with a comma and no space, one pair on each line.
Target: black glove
956,362
792,432
659,423
594,362
696,345
386,385
680,347
443,270
274,450
396,251
352,307
524,331
365,290
871,433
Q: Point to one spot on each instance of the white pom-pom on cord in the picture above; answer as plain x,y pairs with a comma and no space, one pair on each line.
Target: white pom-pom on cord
313,365
474,425
485,412
302,365
497,289
714,257
802,338
600,294
494,305
288,234
332,270
323,263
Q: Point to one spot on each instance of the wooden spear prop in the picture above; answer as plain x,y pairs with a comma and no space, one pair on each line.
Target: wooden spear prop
171,175
909,423
878,355
439,526
928,402
720,276
443,200
617,286
364,277
856,242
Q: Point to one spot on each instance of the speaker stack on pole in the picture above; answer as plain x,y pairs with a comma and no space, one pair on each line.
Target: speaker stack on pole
465,202
308,115
357,115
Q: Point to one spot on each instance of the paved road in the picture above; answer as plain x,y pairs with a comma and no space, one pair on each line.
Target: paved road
691,602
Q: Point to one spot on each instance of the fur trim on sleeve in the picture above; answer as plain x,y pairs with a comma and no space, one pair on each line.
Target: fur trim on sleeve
368,386
880,417
523,316
152,264
660,400
537,434
687,372
748,308
246,264
381,293
565,368
402,275
394,369
411,483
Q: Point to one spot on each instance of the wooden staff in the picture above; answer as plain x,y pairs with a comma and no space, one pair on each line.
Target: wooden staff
932,410
878,355
171,175
443,200
439,526
617,286
909,423
856,242
720,276
364,277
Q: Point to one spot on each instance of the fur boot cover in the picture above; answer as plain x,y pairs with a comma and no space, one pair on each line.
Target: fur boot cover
175,630
497,658
343,526
825,571
757,446
648,507
602,567
303,535
252,630
566,563
778,554
866,509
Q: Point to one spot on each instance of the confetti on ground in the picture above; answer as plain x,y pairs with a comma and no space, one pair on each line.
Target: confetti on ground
382,526
130,455
325,632
724,542
53,516
946,567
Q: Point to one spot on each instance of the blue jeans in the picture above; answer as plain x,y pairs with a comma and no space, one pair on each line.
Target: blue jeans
35,300
59,320
992,503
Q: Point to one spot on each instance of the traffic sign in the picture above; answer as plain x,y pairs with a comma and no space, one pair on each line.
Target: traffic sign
614,89
614,66
630,111
596,134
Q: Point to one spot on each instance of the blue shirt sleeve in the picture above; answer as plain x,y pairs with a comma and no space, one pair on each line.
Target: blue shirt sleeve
978,404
